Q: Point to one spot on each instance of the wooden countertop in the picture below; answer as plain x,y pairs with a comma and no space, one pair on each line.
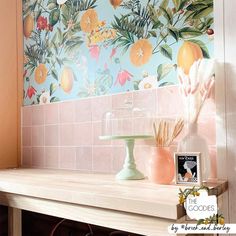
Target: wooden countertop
98,190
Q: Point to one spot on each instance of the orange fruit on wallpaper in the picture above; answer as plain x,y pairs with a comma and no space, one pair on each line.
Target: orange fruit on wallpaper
89,20
67,79
28,25
40,73
115,3
188,53
140,52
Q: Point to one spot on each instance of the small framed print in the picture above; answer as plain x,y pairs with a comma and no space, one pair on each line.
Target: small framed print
188,168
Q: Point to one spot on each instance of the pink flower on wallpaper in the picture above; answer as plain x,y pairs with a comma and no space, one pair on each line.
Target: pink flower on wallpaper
94,52
31,91
42,23
113,52
122,77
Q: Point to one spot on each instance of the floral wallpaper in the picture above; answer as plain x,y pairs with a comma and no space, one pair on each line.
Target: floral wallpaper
82,48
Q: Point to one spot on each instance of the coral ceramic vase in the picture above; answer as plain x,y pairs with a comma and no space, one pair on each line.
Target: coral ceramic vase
161,166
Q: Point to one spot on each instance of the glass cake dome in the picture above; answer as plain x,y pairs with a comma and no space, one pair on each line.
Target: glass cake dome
127,123
127,120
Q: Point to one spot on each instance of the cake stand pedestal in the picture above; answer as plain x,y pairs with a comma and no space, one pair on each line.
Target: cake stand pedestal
129,171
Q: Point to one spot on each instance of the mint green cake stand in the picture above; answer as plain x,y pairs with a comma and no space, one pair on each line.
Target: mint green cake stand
129,171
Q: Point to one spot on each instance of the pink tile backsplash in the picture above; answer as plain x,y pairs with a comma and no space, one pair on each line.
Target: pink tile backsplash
51,113
67,158
52,157
83,134
65,135
84,157
38,115
38,158
26,156
100,105
102,159
169,102
83,110
51,135
38,136
67,112
26,136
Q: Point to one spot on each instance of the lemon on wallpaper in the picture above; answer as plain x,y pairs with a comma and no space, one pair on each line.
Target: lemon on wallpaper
67,79
140,52
40,73
28,25
188,53
115,3
89,21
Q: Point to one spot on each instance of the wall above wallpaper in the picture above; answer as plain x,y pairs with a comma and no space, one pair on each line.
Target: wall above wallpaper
85,48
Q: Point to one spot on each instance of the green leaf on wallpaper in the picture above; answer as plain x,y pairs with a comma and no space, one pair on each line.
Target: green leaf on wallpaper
52,6
152,33
38,14
182,4
176,3
163,70
52,1
187,32
54,99
167,13
53,88
165,84
166,51
54,74
174,33
54,16
188,16
157,24
164,4
136,84
83,94
195,6
33,6
203,13
202,46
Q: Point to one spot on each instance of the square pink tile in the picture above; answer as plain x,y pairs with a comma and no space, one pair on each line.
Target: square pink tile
142,155
26,115
83,110
67,158
38,115
38,136
145,99
38,158
100,105
67,112
26,160
51,113
97,131
169,101
83,134
66,135
118,158
84,158
51,157
118,100
26,136
51,135
102,159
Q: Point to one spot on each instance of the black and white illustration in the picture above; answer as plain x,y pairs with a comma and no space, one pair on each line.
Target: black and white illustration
188,169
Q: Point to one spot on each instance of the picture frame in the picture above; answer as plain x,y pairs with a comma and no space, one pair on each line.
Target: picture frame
188,168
